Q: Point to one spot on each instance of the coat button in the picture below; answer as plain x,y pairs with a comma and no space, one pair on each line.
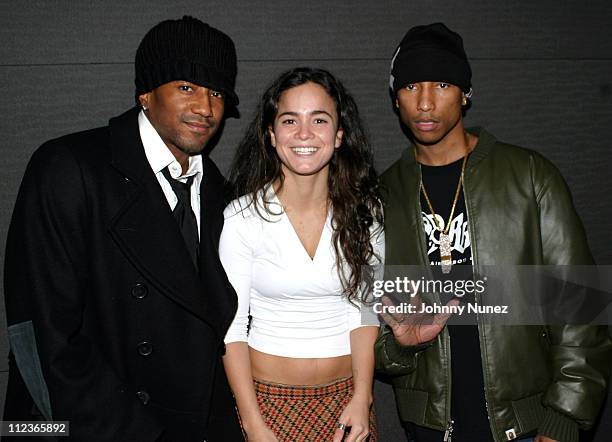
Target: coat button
145,348
139,291
144,397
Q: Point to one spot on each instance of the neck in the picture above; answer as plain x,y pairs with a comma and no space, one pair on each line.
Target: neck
454,146
303,192
181,157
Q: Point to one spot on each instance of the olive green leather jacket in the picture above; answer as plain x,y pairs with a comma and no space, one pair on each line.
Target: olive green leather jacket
546,378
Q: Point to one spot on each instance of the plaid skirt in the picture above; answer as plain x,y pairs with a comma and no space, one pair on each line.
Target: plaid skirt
306,413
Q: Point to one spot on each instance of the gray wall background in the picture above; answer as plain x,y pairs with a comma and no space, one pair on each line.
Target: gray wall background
542,79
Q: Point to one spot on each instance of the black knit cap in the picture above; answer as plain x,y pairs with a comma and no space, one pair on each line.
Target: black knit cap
190,50
430,53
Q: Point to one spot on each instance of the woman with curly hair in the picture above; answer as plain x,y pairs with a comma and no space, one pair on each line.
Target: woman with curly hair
299,246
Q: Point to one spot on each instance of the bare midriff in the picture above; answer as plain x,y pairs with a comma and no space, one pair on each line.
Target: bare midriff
299,371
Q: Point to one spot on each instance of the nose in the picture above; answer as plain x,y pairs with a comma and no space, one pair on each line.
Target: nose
304,131
425,100
201,104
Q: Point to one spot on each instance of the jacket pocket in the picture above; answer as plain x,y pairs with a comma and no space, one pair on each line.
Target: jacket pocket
412,405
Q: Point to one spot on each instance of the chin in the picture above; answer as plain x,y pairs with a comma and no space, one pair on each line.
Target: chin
193,148
307,172
427,141
190,150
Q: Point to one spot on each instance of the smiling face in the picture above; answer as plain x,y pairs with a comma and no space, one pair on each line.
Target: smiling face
185,115
432,111
305,130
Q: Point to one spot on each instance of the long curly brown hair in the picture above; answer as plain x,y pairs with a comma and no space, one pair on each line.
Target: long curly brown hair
354,190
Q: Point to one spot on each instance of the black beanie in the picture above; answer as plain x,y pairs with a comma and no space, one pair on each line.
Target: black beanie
189,50
430,53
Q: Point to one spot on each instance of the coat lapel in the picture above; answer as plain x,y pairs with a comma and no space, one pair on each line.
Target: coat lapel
221,299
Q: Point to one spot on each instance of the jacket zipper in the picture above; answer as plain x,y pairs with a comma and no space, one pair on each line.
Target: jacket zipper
446,335
478,299
449,376
448,434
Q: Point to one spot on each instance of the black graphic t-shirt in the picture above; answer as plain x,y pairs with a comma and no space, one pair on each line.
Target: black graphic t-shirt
468,405
441,184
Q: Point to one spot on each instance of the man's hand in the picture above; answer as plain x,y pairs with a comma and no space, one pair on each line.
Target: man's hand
415,328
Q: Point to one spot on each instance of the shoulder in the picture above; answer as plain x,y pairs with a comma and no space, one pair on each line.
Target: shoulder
55,178
74,144
522,166
398,176
528,162
395,170
66,155
253,209
242,227
500,151
399,181
240,208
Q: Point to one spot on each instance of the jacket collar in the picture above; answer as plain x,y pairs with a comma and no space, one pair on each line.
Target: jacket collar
127,151
481,150
483,147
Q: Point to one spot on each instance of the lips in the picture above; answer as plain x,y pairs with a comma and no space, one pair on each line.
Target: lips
199,127
304,150
426,125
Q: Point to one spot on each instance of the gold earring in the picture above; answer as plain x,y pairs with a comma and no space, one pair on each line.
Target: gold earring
464,101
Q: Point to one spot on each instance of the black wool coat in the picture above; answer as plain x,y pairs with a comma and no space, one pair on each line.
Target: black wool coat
111,327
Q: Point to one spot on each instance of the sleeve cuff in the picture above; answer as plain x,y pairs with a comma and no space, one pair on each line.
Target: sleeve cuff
400,353
558,426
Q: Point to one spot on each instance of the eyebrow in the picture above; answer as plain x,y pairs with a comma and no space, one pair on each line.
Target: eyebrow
296,114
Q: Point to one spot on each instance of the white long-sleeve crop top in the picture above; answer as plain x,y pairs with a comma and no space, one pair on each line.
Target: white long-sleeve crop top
295,302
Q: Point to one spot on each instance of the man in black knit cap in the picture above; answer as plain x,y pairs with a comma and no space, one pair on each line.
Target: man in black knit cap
459,200
116,300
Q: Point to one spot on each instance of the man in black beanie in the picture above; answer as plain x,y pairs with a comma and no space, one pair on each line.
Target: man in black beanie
116,300
459,200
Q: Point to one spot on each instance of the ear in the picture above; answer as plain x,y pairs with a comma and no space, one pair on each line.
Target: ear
143,99
339,135
272,136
